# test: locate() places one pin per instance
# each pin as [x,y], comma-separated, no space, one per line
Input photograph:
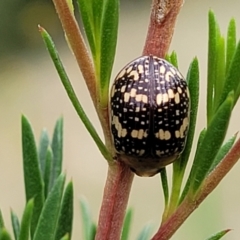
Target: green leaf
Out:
[179,166]
[47,171]
[57,150]
[223,152]
[193,84]
[1,220]
[146,232]
[66,237]
[89,228]
[164,180]
[220,73]
[174,59]
[72,95]
[232,82]
[219,235]
[127,224]
[194,166]
[86,13]
[213,35]
[231,43]
[212,142]
[100,20]
[5,235]
[43,147]
[26,221]
[109,31]
[32,176]
[50,213]
[15,225]
[66,214]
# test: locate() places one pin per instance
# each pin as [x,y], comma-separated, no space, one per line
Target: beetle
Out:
[149,114]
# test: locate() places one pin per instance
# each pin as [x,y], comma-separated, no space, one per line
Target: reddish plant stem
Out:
[214,178]
[168,228]
[77,44]
[162,21]
[115,198]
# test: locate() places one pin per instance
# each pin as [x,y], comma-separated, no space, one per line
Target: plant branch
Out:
[84,61]
[170,226]
[221,170]
[116,194]
[78,46]
[162,21]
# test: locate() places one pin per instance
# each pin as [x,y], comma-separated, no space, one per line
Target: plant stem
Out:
[78,46]
[221,170]
[170,226]
[84,61]
[162,21]
[115,198]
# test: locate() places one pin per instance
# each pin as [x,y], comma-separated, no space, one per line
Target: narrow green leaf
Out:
[232,82]
[88,225]
[66,237]
[32,176]
[194,166]
[86,13]
[49,216]
[15,225]
[212,62]
[5,235]
[72,95]
[231,43]
[223,152]
[164,180]
[26,221]
[66,214]
[97,10]
[43,146]
[1,220]
[174,59]
[127,224]
[193,85]
[179,166]
[146,232]
[219,235]
[212,142]
[57,150]
[167,58]
[220,72]
[47,171]
[109,31]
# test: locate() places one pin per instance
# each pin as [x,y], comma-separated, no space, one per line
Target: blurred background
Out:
[29,85]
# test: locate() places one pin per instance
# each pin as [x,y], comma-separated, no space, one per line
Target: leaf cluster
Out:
[49,205]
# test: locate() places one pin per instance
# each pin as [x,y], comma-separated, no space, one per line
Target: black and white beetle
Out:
[149,109]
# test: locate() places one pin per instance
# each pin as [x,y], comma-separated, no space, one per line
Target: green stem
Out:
[176,190]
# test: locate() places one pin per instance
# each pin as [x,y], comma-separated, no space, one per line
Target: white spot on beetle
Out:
[126,97]
[177,98]
[133,92]
[134,133]
[159,99]
[170,93]
[123,88]
[165,97]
